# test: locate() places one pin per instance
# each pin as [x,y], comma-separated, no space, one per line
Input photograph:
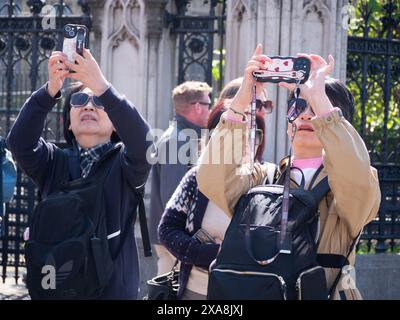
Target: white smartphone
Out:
[75,39]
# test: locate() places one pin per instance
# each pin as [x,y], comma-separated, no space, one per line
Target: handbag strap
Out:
[315,176]
[284,240]
[335,283]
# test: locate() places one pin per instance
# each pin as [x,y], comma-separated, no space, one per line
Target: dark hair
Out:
[339,95]
[231,88]
[215,116]
[228,92]
[68,134]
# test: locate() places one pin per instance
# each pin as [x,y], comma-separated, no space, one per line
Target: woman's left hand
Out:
[88,72]
[314,89]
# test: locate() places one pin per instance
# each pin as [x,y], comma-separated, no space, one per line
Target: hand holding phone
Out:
[285,69]
[75,39]
[57,70]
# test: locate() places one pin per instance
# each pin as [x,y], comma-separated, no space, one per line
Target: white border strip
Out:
[113,235]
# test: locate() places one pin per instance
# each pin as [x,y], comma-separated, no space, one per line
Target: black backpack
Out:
[67,254]
[250,265]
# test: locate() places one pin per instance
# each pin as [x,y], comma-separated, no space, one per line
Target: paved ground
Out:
[12,291]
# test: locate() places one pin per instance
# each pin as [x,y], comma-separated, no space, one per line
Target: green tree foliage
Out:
[377,90]
[218,67]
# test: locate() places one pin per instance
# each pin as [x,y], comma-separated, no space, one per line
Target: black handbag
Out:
[165,286]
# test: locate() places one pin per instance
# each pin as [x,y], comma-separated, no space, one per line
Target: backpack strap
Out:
[321,189]
[281,178]
[346,262]
[140,207]
[315,176]
[330,260]
[143,224]
[303,178]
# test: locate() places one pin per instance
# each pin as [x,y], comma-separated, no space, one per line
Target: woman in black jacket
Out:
[98,114]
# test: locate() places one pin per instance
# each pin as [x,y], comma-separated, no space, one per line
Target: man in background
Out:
[192,104]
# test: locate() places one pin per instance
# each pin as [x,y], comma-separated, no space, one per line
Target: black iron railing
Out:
[196,41]
[373,75]
[27,38]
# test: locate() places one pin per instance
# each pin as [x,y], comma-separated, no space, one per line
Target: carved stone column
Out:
[159,77]
[136,53]
[96,8]
[122,43]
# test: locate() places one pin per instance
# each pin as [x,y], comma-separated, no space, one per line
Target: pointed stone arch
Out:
[122,45]
[239,8]
[316,17]
[240,14]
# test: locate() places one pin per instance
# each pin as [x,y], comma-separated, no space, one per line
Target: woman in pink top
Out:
[323,135]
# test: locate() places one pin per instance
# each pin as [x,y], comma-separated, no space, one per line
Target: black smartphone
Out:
[285,69]
[76,38]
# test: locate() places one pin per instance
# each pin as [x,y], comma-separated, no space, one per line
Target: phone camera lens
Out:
[67,28]
[71,33]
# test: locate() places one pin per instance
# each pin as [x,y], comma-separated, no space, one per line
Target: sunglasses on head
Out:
[81,99]
[265,106]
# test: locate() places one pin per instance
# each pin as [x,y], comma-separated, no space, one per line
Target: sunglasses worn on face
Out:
[295,108]
[265,106]
[81,99]
[208,104]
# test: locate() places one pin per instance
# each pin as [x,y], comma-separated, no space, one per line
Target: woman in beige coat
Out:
[323,136]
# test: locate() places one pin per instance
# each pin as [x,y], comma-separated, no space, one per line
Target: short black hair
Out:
[68,134]
[231,88]
[339,95]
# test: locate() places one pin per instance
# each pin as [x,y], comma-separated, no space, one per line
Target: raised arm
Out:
[172,232]
[128,123]
[31,152]
[225,174]
[353,181]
